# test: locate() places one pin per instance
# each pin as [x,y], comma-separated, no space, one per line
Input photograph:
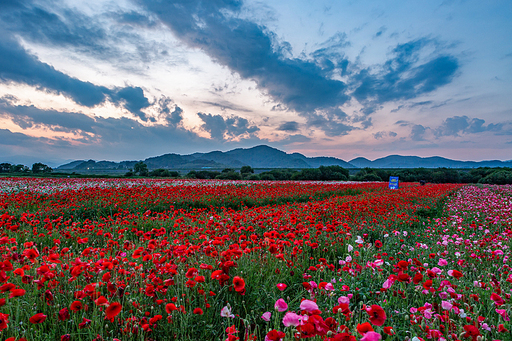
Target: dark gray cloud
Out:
[134,18]
[223,105]
[133,99]
[381,134]
[305,86]
[380,31]
[233,126]
[106,134]
[71,29]
[17,65]
[418,132]
[329,124]
[122,138]
[296,138]
[404,77]
[289,126]
[309,85]
[8,138]
[32,117]
[453,126]
[249,49]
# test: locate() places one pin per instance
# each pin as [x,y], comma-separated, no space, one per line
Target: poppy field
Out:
[138,259]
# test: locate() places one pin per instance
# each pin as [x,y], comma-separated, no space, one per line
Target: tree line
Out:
[484,175]
[37,168]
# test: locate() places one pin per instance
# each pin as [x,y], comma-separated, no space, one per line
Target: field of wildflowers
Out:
[224,260]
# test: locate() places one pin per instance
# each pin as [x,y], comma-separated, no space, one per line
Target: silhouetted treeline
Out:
[37,168]
[484,175]
[247,173]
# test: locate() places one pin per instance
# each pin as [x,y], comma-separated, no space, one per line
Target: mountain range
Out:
[267,157]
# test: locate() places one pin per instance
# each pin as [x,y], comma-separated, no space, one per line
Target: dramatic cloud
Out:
[455,125]
[249,50]
[232,127]
[297,138]
[289,126]
[8,138]
[418,132]
[117,133]
[403,77]
[381,134]
[16,65]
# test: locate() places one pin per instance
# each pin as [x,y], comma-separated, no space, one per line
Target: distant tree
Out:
[191,175]
[368,174]
[231,175]
[20,168]
[39,167]
[445,175]
[141,168]
[5,167]
[164,173]
[246,170]
[370,177]
[253,177]
[333,173]
[174,174]
[129,173]
[499,177]
[308,174]
[160,172]
[207,174]
[267,176]
[227,170]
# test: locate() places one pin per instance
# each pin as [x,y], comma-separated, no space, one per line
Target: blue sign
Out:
[393,182]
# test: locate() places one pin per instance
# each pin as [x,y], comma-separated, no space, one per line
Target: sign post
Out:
[393,182]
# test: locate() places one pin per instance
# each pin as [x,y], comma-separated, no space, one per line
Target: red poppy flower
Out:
[389,330]
[191,273]
[31,254]
[275,335]
[198,311]
[4,319]
[502,329]
[343,337]
[76,306]
[239,284]
[63,314]
[85,323]
[457,274]
[471,331]
[170,307]
[497,299]
[155,319]
[403,265]
[113,310]
[231,330]
[418,277]
[377,315]
[7,287]
[37,318]
[364,328]
[17,293]
[101,301]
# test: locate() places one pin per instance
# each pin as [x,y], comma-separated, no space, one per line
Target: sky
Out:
[132,79]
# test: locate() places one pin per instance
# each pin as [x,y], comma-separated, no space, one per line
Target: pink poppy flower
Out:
[308,306]
[281,305]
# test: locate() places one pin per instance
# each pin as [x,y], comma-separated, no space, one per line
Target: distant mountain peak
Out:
[264,156]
